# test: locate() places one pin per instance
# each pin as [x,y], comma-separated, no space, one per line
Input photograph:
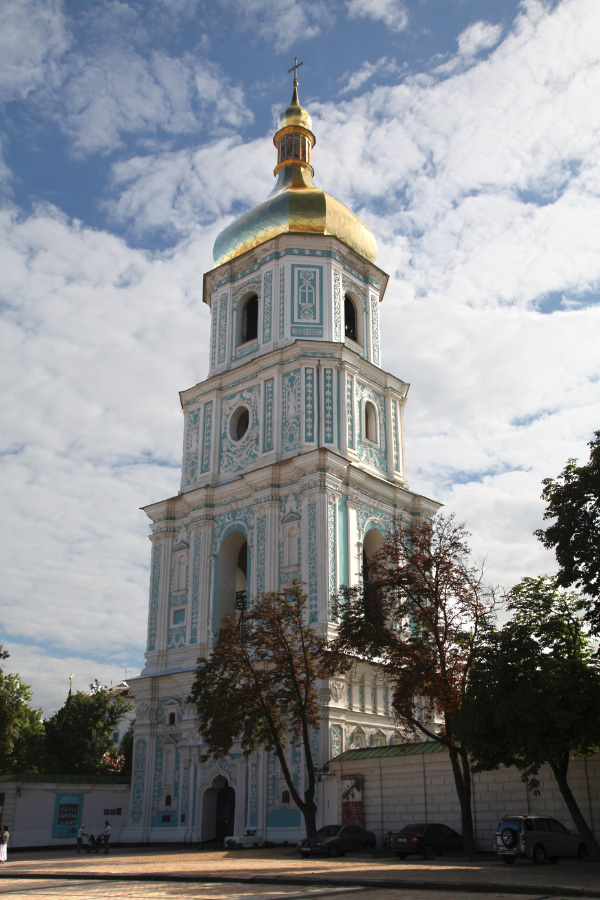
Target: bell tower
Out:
[293,468]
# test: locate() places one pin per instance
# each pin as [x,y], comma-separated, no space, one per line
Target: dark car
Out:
[429,840]
[537,838]
[335,840]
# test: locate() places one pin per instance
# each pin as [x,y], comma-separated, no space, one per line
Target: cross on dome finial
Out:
[294,69]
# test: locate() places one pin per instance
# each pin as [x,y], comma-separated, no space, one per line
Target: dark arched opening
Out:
[351,324]
[232,578]
[249,329]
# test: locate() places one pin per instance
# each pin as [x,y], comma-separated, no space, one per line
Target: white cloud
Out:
[177,191]
[392,13]
[97,339]
[355,80]
[477,37]
[33,38]
[119,92]
[283,23]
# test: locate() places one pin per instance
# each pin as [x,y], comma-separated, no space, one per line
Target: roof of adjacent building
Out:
[390,751]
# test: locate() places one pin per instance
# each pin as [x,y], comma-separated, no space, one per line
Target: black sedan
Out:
[428,840]
[335,840]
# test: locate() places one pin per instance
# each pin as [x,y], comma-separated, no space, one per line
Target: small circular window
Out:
[239,422]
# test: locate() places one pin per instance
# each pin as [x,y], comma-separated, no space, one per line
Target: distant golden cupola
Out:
[295,205]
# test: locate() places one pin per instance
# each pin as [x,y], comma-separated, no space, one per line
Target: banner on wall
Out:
[67,815]
[353,812]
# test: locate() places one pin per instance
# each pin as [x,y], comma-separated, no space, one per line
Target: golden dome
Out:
[295,205]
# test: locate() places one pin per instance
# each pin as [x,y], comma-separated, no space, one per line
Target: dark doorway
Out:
[225,813]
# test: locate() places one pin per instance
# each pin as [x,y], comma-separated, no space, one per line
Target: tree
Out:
[21,727]
[260,686]
[574,502]
[126,750]
[78,737]
[418,615]
[534,692]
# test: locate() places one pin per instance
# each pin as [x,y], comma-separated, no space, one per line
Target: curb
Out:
[373,883]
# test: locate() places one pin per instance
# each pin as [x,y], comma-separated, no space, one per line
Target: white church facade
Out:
[293,468]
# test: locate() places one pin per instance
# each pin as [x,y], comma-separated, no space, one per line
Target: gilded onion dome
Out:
[295,205]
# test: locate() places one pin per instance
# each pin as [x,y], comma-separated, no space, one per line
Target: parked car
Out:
[539,838]
[335,840]
[430,840]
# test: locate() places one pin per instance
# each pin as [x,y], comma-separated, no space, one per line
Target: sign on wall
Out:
[353,812]
[67,815]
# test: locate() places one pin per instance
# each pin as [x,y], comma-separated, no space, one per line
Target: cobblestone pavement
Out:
[281,873]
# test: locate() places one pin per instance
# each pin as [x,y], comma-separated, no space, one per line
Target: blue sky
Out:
[465,132]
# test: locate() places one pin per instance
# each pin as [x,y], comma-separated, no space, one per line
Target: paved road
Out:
[280,874]
[14,889]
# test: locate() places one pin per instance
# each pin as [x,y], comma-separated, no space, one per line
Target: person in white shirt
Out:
[106,836]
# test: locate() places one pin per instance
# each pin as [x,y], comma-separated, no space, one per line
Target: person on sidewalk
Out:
[3,843]
[80,836]
[106,835]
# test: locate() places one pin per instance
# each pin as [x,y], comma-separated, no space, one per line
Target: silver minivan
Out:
[538,838]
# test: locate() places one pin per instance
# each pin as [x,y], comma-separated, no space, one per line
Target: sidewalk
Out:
[570,878]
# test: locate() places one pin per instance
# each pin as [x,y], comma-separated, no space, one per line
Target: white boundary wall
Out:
[420,788]
[29,810]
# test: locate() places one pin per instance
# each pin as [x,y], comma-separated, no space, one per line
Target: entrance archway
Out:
[218,810]
[225,815]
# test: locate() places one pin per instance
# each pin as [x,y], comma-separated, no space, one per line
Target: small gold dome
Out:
[295,205]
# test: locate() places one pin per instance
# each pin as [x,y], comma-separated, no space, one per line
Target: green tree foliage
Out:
[126,750]
[78,737]
[574,503]
[260,686]
[534,692]
[21,728]
[418,615]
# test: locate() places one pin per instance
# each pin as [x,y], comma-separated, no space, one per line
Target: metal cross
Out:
[294,69]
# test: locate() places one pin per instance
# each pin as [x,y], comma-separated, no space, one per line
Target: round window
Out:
[239,422]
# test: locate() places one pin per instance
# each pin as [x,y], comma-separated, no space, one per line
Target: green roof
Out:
[39,778]
[394,750]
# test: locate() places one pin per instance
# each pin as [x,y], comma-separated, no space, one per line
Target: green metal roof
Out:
[37,778]
[394,750]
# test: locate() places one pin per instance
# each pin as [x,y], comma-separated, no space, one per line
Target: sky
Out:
[464,132]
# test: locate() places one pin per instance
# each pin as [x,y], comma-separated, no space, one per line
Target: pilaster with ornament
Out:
[332,553]
[354,551]
[155,566]
[272,511]
[267,316]
[390,408]
[329,405]
[310,559]
[375,354]
[309,405]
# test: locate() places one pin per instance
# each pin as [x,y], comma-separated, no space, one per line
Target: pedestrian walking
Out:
[3,843]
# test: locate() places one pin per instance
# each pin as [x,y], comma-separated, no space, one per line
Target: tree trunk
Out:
[461,770]
[560,773]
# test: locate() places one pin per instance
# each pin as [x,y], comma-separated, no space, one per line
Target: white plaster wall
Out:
[401,790]
[32,814]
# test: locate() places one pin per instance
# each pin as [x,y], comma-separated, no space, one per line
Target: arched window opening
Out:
[285,798]
[171,718]
[372,544]
[168,800]
[371,422]
[249,329]
[350,320]
[232,578]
